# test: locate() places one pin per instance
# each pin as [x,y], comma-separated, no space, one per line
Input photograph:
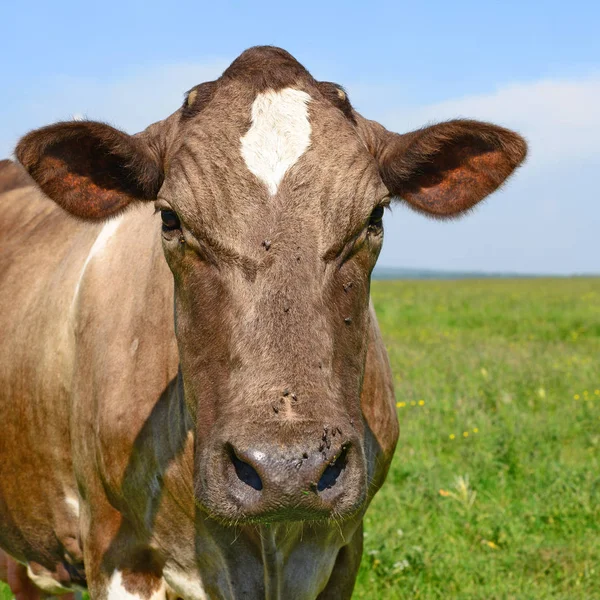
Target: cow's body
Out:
[213,425]
[86,399]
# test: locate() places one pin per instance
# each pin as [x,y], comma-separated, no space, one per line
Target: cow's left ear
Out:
[445,169]
[91,169]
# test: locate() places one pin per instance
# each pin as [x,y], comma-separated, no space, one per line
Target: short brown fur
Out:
[207,409]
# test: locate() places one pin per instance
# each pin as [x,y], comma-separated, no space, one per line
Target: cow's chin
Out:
[238,487]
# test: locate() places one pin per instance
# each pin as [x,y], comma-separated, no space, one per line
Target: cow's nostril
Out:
[245,472]
[333,471]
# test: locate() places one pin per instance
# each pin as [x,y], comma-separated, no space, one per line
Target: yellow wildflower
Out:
[465,434]
[421,402]
[475,430]
[576,397]
[400,404]
[451,436]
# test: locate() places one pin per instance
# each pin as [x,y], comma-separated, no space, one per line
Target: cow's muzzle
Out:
[269,481]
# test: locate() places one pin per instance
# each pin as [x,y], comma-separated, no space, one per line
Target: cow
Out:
[196,400]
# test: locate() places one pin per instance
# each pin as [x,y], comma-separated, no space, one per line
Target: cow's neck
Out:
[276,561]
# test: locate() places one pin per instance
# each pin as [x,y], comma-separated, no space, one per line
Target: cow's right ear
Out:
[91,169]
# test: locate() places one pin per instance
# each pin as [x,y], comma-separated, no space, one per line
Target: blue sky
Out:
[533,66]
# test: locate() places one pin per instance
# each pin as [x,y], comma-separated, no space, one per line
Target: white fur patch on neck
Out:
[116,590]
[279,134]
[108,230]
[73,504]
[46,581]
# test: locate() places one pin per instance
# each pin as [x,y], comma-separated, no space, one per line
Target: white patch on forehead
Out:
[108,230]
[116,590]
[279,134]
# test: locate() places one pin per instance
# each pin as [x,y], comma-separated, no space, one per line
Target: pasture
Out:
[495,488]
[494,492]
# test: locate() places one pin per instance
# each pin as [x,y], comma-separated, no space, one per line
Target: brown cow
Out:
[212,425]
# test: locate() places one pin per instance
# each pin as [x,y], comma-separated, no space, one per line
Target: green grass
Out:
[498,382]
[515,364]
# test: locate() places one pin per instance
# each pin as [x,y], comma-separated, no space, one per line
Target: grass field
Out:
[495,487]
[494,492]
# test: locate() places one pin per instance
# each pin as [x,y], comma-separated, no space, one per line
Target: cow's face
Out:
[271,191]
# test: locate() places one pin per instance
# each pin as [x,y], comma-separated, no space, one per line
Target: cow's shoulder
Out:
[13,176]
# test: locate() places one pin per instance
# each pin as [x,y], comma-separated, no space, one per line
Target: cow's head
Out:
[272,191]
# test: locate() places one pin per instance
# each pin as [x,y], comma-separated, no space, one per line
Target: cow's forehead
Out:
[249,151]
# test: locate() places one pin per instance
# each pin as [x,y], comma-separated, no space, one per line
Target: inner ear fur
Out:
[91,169]
[445,169]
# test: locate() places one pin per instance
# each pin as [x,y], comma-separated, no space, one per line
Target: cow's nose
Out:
[278,482]
[254,466]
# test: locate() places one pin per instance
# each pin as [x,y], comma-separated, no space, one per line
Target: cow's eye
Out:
[170,220]
[376,219]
